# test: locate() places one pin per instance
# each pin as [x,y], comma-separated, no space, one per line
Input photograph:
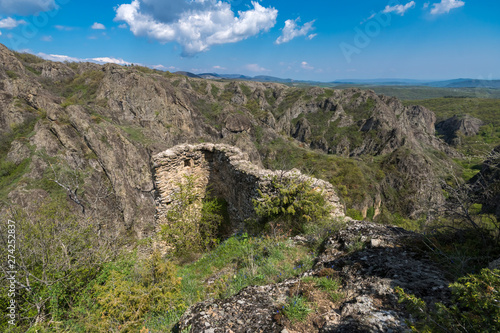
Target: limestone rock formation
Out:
[452,128]
[369,272]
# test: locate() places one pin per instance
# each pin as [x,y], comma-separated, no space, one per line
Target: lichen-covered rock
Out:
[369,259]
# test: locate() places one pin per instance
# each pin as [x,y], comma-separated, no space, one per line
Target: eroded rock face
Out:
[229,175]
[369,259]
[453,127]
[486,183]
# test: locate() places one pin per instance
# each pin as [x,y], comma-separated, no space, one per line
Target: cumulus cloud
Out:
[98,26]
[46,38]
[10,23]
[292,30]
[445,6]
[26,7]
[399,9]
[256,68]
[196,25]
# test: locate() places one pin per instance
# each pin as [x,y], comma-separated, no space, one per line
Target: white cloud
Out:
[311,36]
[46,38]
[369,18]
[292,30]
[426,5]
[445,6]
[161,67]
[105,60]
[26,7]
[10,23]
[99,60]
[196,25]
[58,57]
[399,9]
[98,26]
[219,67]
[256,68]
[123,26]
[305,65]
[63,28]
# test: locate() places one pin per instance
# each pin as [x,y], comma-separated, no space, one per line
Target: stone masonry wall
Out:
[227,172]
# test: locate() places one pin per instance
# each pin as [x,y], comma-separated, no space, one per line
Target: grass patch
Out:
[211,112]
[11,174]
[241,261]
[297,309]
[136,134]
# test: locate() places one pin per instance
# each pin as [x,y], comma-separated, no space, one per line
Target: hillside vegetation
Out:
[77,178]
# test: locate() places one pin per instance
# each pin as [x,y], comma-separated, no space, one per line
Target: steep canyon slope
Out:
[90,131]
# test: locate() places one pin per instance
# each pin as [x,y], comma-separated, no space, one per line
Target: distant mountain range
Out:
[456,83]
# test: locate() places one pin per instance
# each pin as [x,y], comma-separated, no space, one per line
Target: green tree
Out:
[56,256]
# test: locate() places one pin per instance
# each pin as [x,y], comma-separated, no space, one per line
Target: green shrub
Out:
[290,204]
[474,306]
[355,214]
[124,300]
[60,255]
[12,74]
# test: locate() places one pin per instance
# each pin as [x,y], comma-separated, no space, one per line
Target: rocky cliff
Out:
[102,125]
[486,184]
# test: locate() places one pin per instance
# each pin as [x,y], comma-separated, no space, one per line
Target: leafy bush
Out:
[355,214]
[57,257]
[474,307]
[290,205]
[124,300]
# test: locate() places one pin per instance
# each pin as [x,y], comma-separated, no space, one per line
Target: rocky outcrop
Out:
[486,184]
[453,128]
[369,259]
[411,185]
[228,173]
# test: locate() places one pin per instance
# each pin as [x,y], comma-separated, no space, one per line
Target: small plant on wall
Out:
[192,221]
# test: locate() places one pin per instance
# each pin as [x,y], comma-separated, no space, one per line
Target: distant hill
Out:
[456,83]
[384,82]
[466,83]
[188,74]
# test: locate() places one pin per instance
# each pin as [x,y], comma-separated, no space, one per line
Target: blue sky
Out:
[321,40]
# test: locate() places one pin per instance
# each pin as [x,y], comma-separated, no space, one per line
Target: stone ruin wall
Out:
[227,172]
